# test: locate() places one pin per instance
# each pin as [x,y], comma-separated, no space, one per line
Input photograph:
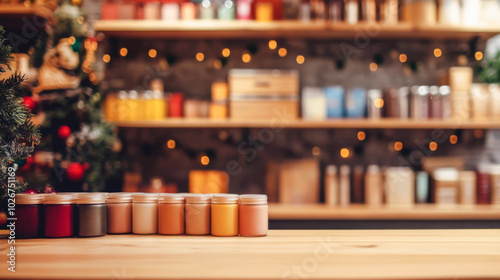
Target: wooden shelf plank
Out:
[283,254]
[339,123]
[363,212]
[286,28]
[11,11]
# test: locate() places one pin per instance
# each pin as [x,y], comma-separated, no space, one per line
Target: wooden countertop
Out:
[290,254]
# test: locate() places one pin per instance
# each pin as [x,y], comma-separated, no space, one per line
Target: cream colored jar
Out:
[145,213]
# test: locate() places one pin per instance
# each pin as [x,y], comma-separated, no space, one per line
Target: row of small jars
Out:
[95,214]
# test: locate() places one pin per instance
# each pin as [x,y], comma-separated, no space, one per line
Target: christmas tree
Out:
[18,134]
[78,151]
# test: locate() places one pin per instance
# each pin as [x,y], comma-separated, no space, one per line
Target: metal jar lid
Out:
[59,199]
[26,198]
[198,198]
[225,198]
[145,197]
[119,197]
[171,198]
[253,199]
[90,198]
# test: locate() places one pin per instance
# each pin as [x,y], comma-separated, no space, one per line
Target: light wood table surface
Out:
[284,254]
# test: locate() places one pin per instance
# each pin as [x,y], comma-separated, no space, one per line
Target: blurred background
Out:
[347,114]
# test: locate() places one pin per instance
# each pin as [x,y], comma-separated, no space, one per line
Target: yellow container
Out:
[264,11]
[159,105]
[225,214]
[132,107]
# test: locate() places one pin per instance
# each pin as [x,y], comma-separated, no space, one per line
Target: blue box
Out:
[334,102]
[356,103]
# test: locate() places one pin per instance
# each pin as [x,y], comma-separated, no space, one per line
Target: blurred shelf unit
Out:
[209,29]
[9,13]
[363,212]
[337,123]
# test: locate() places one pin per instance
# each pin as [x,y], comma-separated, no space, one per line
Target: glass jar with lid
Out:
[224,214]
[58,217]
[91,214]
[198,214]
[145,213]
[119,212]
[171,214]
[253,215]
[29,210]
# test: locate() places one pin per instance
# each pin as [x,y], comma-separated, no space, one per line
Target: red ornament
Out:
[30,191]
[49,189]
[29,103]
[75,172]
[64,132]
[26,167]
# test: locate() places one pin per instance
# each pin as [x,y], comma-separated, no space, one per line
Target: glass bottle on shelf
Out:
[449,12]
[207,10]
[188,11]
[369,11]
[152,10]
[170,12]
[351,11]
[226,10]
[109,10]
[318,9]
[264,11]
[244,9]
[304,11]
[126,10]
[389,11]
[335,11]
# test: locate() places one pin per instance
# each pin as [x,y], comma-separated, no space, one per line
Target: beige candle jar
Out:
[224,215]
[145,213]
[198,214]
[171,214]
[119,210]
[253,215]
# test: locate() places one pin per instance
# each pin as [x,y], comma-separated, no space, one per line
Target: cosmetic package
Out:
[355,103]
[313,104]
[467,187]
[421,187]
[399,186]
[374,186]
[331,186]
[375,103]
[422,12]
[450,12]
[345,185]
[446,183]
[334,102]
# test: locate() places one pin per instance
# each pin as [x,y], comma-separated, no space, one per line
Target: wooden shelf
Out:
[286,28]
[10,12]
[339,123]
[363,212]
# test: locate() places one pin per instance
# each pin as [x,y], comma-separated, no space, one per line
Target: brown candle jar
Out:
[253,215]
[145,213]
[198,214]
[171,214]
[91,214]
[119,211]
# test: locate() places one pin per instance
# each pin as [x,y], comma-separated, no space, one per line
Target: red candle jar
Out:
[483,186]
[59,215]
[176,104]
[29,212]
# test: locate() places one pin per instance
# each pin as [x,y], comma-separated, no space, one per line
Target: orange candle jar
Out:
[171,214]
[198,214]
[145,213]
[224,214]
[253,215]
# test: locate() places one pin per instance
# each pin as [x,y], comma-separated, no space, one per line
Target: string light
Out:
[300,59]
[171,144]
[398,146]
[344,153]
[361,135]
[433,146]
[478,56]
[453,139]
[80,20]
[72,40]
[272,44]
[123,52]
[205,160]
[379,103]
[403,58]
[106,58]
[373,66]
[200,57]
[282,52]
[152,53]
[316,151]
[226,52]
[438,52]
[246,58]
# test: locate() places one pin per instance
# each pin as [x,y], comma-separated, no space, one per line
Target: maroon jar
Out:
[59,215]
[29,214]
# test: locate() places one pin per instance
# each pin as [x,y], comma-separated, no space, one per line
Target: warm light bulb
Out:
[72,40]
[152,53]
[300,59]
[226,52]
[403,58]
[282,52]
[379,103]
[398,146]
[453,139]
[433,146]
[171,144]
[205,160]
[344,153]
[373,66]
[438,52]
[106,58]
[478,56]
[361,136]
[200,57]
[273,44]
[123,51]
[246,58]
